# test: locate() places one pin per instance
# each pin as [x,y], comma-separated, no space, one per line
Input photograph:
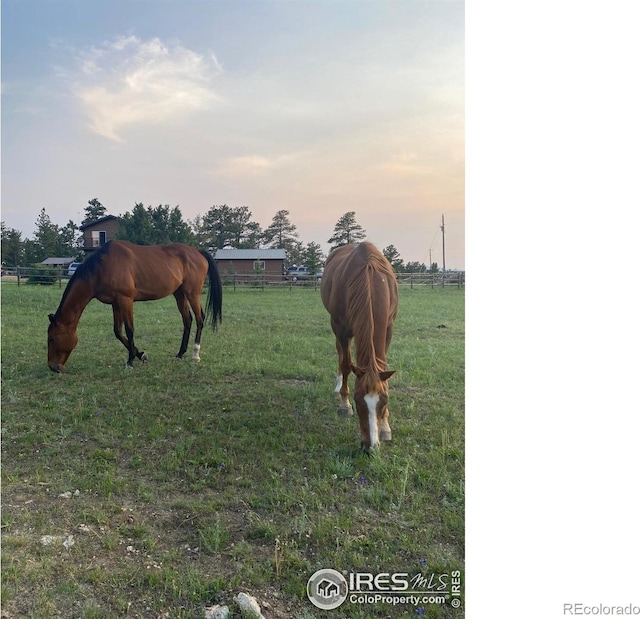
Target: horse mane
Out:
[84,271]
[360,309]
[88,267]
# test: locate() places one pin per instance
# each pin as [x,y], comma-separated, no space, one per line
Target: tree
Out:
[93,211]
[415,267]
[281,234]
[252,236]
[68,238]
[245,234]
[168,225]
[12,249]
[295,254]
[32,253]
[51,240]
[346,231]
[136,226]
[46,237]
[155,226]
[224,226]
[393,256]
[198,234]
[313,258]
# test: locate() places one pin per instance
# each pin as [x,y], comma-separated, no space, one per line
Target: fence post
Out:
[18,274]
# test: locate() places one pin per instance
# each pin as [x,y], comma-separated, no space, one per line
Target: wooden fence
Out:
[59,277]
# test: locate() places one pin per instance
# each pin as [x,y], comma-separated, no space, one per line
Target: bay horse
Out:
[360,292]
[120,273]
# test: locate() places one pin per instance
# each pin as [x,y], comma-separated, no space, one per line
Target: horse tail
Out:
[214,298]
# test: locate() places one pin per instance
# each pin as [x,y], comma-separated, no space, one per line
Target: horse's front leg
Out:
[124,315]
[343,346]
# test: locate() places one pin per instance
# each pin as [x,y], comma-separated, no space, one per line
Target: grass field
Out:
[174,486]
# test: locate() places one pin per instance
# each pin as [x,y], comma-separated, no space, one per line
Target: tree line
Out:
[221,227]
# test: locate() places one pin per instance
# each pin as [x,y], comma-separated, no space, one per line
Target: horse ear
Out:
[357,371]
[387,375]
[52,319]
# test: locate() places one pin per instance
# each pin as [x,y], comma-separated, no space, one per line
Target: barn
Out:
[251,261]
[58,262]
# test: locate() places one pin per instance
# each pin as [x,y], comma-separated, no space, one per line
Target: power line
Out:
[433,239]
[444,269]
[442,230]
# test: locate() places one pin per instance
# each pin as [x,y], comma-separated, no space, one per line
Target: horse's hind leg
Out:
[196,306]
[187,319]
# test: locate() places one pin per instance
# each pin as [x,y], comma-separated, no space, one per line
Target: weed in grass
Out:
[259,529]
[213,537]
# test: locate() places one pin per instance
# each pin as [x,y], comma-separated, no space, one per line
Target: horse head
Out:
[371,395]
[61,340]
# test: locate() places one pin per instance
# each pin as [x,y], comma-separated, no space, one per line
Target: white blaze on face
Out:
[372,400]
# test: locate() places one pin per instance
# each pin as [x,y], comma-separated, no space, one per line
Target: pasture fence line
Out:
[449,279]
[35,275]
[59,277]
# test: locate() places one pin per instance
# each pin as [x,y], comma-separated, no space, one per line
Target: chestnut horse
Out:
[120,273]
[360,292]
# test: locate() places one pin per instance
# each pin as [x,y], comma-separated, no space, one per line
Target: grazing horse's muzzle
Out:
[55,368]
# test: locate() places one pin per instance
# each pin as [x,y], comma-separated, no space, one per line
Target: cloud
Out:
[129,82]
[251,165]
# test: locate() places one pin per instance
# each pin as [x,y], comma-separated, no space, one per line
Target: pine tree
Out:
[393,256]
[346,231]
[281,234]
[93,211]
[313,258]
[46,237]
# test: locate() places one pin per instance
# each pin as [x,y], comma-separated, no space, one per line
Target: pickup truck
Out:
[296,273]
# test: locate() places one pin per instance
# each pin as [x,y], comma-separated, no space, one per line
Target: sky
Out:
[315,107]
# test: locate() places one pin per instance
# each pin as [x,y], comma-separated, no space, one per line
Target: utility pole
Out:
[443,254]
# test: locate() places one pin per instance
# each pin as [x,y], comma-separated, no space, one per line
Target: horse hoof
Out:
[177,358]
[370,451]
[144,358]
